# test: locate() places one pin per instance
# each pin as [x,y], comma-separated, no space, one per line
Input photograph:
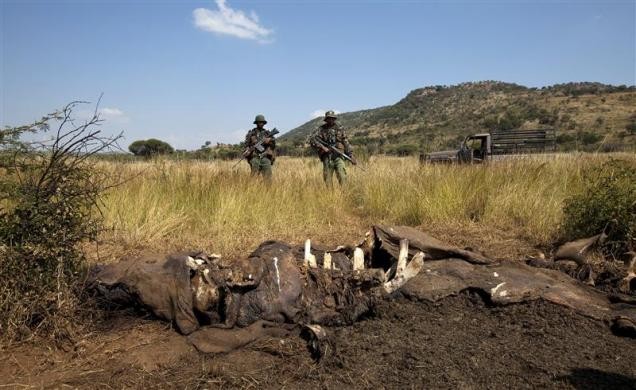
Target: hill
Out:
[587,115]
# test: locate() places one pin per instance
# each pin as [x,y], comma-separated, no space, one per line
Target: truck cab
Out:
[475,148]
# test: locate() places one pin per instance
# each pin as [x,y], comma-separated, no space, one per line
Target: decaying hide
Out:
[161,285]
[224,304]
[382,247]
[507,283]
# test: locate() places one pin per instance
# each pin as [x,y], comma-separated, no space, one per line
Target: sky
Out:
[188,72]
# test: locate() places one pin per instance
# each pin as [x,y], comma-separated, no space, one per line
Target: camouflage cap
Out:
[260,118]
[330,114]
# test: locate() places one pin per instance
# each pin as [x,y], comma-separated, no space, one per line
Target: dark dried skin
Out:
[336,298]
[160,285]
[280,292]
[272,287]
[385,244]
[275,293]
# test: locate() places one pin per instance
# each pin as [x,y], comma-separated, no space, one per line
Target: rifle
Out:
[258,147]
[333,149]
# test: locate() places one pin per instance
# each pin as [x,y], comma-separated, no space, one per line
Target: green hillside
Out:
[587,116]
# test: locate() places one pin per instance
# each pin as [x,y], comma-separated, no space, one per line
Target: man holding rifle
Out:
[260,148]
[333,148]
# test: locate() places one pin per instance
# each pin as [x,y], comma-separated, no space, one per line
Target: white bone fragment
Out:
[191,263]
[312,261]
[407,273]
[277,273]
[497,287]
[326,262]
[358,259]
[307,252]
[402,256]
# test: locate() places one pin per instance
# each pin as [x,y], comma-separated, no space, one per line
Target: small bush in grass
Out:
[49,201]
[608,194]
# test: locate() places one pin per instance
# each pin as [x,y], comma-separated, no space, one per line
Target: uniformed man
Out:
[330,140]
[260,162]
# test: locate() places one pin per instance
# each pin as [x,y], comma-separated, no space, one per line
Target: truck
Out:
[483,147]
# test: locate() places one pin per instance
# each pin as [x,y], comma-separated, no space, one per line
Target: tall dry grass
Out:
[207,205]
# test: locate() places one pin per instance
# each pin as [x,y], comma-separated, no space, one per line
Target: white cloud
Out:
[113,115]
[226,20]
[320,113]
[108,112]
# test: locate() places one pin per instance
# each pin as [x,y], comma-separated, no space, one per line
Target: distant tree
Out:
[510,120]
[403,149]
[565,138]
[589,137]
[150,147]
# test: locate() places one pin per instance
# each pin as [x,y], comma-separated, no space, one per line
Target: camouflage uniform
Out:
[331,162]
[260,163]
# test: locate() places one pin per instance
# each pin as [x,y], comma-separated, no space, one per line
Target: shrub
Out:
[150,147]
[608,195]
[49,193]
[589,137]
[403,149]
[565,138]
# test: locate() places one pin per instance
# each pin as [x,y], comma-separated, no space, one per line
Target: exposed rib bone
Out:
[307,249]
[310,259]
[401,263]
[326,262]
[402,256]
[193,263]
[401,277]
[358,259]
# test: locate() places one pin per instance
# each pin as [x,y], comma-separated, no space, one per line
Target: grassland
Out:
[170,205]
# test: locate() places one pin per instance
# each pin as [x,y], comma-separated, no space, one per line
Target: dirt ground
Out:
[459,342]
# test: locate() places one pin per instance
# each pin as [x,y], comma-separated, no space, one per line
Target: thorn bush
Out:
[608,195]
[49,205]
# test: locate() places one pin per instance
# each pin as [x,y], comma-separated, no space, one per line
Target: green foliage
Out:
[48,200]
[512,119]
[403,149]
[589,137]
[565,138]
[608,194]
[150,147]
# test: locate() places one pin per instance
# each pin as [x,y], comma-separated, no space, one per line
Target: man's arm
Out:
[316,145]
[249,142]
[347,146]
[269,140]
